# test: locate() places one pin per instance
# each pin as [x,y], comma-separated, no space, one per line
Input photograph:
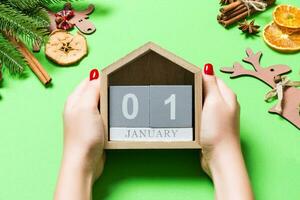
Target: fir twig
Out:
[10,57]
[40,16]
[30,4]
[19,25]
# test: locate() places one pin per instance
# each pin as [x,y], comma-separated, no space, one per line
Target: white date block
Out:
[151,134]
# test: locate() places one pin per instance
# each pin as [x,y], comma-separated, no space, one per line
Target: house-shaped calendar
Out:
[151,99]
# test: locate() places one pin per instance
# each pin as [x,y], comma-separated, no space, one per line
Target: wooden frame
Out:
[182,72]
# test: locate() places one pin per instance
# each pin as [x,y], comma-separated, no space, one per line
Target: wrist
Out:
[216,156]
[228,171]
[223,156]
[75,181]
[77,162]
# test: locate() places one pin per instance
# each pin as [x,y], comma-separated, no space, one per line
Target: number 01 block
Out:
[129,106]
[171,106]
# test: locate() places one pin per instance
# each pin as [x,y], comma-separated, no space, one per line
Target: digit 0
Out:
[135,106]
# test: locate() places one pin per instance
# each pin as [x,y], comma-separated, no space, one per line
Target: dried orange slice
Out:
[281,39]
[287,16]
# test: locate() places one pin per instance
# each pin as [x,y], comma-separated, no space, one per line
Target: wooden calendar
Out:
[151,99]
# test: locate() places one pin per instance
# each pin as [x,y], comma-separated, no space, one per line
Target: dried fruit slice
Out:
[64,48]
[287,16]
[280,39]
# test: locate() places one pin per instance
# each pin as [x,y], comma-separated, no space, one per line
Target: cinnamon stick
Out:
[235,10]
[34,64]
[237,13]
[235,19]
[230,6]
[226,17]
[231,13]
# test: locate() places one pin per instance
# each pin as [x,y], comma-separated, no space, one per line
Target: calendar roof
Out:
[146,48]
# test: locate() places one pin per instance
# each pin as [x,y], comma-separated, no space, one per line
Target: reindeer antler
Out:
[264,74]
[87,11]
[253,59]
[238,70]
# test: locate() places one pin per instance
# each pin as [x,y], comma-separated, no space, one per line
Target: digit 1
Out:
[172,101]
[135,106]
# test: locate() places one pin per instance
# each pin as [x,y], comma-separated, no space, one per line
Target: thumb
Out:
[93,88]
[210,85]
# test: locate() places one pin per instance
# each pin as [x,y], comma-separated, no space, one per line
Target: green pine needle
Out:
[10,57]
[40,16]
[30,4]
[22,26]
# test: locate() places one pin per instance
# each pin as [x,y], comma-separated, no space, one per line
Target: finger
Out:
[227,94]
[92,91]
[210,85]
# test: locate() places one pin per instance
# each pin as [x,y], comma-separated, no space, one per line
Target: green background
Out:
[31,115]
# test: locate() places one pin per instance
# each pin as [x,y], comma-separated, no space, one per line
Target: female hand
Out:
[220,116]
[222,157]
[83,155]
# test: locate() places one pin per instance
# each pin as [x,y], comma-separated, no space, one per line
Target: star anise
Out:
[250,28]
[225,2]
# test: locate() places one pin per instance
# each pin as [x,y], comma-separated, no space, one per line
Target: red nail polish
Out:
[94,74]
[209,69]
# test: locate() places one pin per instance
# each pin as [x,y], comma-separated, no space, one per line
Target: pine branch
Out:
[10,57]
[24,5]
[47,3]
[30,4]
[40,16]
[19,25]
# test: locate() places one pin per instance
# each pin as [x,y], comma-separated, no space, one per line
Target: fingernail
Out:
[208,69]
[94,74]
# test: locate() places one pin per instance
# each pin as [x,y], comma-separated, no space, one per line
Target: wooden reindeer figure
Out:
[77,18]
[289,104]
[69,18]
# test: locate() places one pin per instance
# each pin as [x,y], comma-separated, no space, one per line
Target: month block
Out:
[171,106]
[129,106]
[151,134]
